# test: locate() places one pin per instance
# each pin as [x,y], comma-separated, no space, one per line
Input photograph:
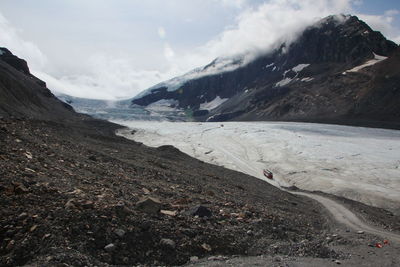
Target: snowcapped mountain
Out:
[338,70]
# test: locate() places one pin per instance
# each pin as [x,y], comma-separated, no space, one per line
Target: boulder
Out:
[149,205]
[200,211]
[165,242]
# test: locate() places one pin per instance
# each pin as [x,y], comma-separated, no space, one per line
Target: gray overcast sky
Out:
[115,49]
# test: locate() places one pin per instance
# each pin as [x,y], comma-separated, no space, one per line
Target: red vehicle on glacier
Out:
[268,174]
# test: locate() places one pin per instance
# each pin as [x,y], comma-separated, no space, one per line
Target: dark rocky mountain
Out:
[338,70]
[24,95]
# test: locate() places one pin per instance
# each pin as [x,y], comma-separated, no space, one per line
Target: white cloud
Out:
[168,52]
[234,3]
[258,29]
[162,33]
[109,78]
[9,38]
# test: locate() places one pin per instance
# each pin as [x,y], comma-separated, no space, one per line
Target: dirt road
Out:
[348,218]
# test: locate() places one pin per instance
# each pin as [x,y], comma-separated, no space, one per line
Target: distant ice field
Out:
[358,163]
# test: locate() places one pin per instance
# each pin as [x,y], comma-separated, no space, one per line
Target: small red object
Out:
[268,174]
[378,245]
[386,242]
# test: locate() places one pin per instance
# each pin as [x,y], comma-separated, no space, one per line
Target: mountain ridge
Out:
[264,89]
[24,95]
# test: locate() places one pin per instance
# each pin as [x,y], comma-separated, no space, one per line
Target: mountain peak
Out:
[290,82]
[339,38]
[16,62]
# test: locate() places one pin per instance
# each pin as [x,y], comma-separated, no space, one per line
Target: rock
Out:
[360,232]
[110,247]
[145,191]
[194,259]
[70,204]
[23,216]
[46,236]
[10,245]
[200,211]
[33,228]
[87,204]
[169,212]
[206,247]
[338,262]
[20,189]
[165,242]
[217,258]
[149,205]
[120,233]
[122,210]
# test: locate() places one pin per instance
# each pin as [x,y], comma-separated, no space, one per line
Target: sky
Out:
[115,49]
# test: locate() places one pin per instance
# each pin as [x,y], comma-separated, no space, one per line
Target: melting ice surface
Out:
[358,163]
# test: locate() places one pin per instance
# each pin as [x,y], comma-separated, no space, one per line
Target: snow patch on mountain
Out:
[218,66]
[213,104]
[286,80]
[163,105]
[269,65]
[283,82]
[376,59]
[307,79]
[300,67]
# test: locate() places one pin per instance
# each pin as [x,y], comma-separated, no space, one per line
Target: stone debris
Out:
[28,155]
[200,211]
[169,212]
[149,205]
[217,258]
[206,247]
[168,243]
[194,259]
[110,247]
[120,233]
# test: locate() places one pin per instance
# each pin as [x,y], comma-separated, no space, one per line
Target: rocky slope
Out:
[24,95]
[338,70]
